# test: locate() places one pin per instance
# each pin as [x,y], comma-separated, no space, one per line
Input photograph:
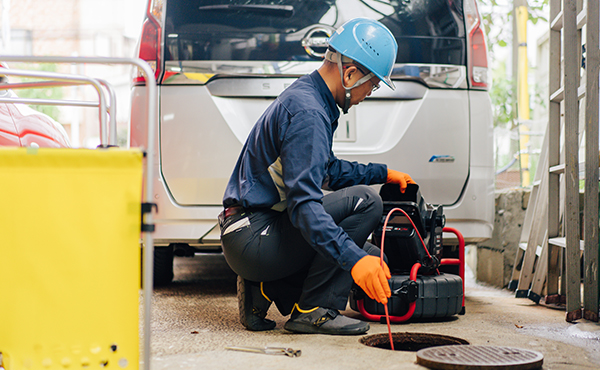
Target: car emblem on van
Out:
[442,159]
[317,37]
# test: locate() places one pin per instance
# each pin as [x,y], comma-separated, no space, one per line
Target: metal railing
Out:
[59,79]
[111,108]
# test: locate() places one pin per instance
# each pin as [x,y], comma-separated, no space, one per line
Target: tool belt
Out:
[228,212]
[232,219]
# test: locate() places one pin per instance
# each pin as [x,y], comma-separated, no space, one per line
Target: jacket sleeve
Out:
[305,155]
[343,173]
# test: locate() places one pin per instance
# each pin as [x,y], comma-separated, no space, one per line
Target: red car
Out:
[21,125]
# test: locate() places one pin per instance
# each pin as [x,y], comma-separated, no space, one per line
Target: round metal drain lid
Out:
[479,357]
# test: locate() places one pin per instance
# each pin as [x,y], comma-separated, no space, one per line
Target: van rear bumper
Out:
[197,225]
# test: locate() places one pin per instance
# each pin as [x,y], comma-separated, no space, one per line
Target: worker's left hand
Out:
[400,178]
[371,274]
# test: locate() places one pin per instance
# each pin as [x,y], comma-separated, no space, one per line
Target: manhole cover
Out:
[479,357]
[410,341]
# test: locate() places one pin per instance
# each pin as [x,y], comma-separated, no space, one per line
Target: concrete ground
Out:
[196,317]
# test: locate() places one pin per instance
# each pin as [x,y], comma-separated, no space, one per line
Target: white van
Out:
[220,63]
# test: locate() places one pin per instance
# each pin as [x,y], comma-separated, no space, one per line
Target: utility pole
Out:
[520,85]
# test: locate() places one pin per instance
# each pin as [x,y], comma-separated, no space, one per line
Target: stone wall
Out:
[494,259]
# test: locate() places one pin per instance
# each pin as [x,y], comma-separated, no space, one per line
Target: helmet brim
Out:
[388,82]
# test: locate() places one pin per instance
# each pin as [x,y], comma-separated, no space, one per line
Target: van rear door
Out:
[225,62]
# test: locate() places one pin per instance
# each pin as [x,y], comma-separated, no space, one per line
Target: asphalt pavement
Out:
[196,317]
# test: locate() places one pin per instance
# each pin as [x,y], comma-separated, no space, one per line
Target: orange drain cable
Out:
[387,315]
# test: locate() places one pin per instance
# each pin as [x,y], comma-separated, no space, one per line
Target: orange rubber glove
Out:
[396,177]
[373,279]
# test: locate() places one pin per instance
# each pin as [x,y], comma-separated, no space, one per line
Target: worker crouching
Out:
[288,242]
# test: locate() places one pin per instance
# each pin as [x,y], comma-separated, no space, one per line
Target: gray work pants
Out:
[271,250]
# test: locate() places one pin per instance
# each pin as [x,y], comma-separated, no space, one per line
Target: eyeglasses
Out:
[375,86]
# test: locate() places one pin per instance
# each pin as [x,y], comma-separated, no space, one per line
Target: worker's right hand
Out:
[400,178]
[372,278]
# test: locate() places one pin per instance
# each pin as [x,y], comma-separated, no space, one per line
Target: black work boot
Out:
[324,321]
[253,305]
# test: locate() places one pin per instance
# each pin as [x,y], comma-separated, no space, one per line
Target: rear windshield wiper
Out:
[284,11]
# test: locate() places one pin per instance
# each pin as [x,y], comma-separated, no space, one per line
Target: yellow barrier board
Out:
[70,258]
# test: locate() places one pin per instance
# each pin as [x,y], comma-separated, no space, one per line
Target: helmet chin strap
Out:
[337,58]
[347,98]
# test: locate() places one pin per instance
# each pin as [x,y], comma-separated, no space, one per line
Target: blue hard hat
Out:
[369,43]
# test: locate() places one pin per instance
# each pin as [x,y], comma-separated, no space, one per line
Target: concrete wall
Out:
[493,260]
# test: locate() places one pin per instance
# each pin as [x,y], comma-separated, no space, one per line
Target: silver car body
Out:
[434,127]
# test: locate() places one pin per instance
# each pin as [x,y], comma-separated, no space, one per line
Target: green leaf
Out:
[502,43]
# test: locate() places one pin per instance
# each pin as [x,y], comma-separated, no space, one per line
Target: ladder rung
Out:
[581,92]
[562,242]
[536,183]
[558,95]
[559,242]
[557,22]
[581,19]
[560,168]
[538,249]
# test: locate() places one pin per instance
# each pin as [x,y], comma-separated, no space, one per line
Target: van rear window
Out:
[427,31]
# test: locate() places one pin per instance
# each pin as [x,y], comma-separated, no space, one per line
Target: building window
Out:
[21,42]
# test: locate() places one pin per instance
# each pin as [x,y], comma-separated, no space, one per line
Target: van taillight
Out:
[478,63]
[477,51]
[150,41]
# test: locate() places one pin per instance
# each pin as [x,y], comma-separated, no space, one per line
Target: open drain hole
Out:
[410,341]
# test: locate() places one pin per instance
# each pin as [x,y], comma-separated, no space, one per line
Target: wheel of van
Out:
[163,265]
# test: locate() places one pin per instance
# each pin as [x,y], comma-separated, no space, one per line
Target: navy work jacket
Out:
[287,160]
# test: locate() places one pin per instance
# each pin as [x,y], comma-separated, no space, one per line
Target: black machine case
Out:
[434,294]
